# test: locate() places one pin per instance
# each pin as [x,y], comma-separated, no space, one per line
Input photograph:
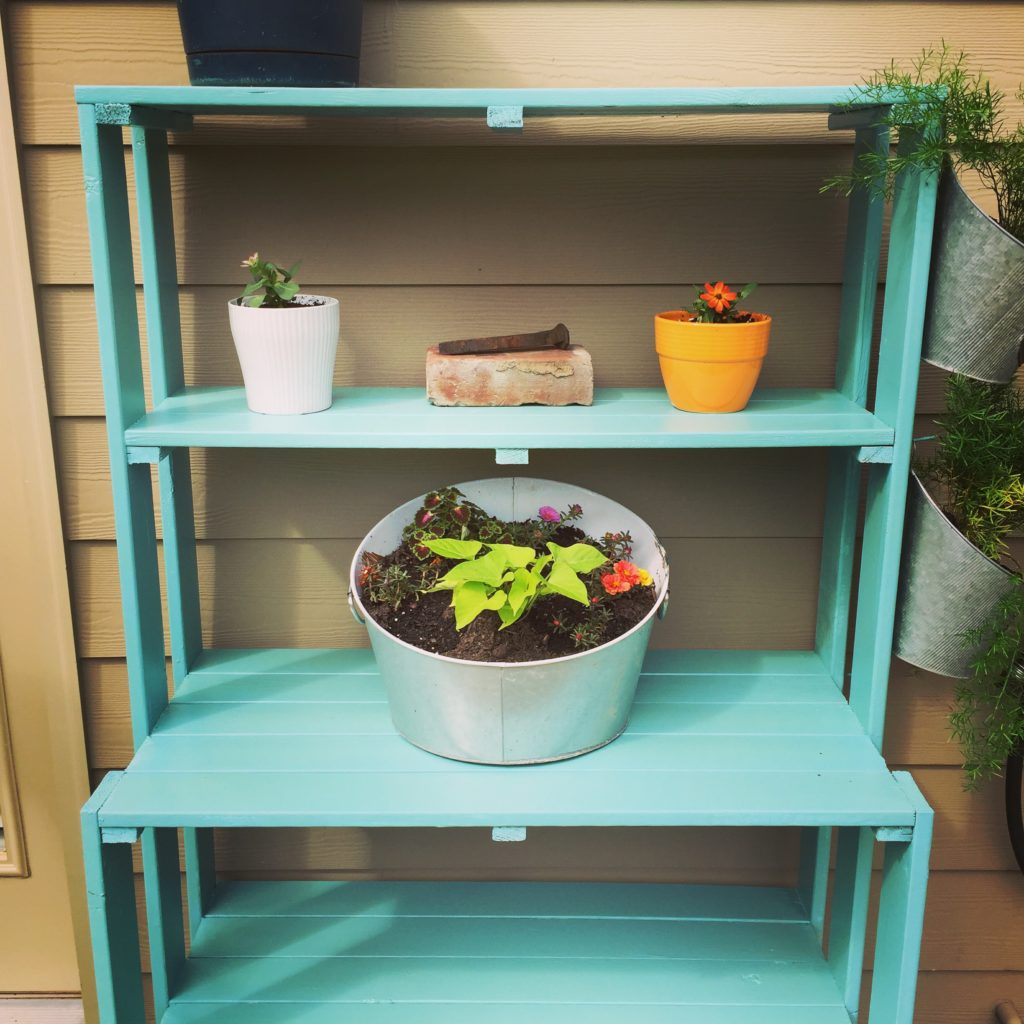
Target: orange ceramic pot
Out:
[710,367]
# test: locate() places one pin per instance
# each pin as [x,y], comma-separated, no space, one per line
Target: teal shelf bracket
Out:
[894,834]
[119,835]
[876,455]
[505,118]
[140,454]
[129,115]
[862,117]
[508,834]
[512,456]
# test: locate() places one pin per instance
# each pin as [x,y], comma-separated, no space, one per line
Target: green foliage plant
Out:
[987,719]
[271,287]
[390,585]
[945,114]
[978,465]
[509,578]
[979,468]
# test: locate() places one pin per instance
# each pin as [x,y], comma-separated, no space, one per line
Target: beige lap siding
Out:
[513,235]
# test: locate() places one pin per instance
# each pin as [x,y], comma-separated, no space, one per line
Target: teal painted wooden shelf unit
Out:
[262,738]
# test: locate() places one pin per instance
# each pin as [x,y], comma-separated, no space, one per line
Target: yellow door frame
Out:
[43,918]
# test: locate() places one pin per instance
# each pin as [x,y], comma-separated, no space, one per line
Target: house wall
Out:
[475,233]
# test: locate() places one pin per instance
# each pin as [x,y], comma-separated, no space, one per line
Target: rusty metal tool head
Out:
[556,337]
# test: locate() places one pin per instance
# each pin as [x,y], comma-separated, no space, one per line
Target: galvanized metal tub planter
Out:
[975,317]
[525,712]
[947,588]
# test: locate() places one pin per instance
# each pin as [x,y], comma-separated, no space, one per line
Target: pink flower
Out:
[549,514]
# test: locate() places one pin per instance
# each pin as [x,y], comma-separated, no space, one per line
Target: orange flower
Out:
[629,572]
[719,297]
[613,583]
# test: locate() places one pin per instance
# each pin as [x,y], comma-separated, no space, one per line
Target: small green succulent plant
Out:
[277,285]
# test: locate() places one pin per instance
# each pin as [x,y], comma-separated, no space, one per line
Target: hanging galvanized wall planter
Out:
[522,712]
[975,319]
[947,588]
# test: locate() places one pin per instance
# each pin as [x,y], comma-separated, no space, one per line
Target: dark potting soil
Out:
[429,624]
[303,303]
[429,621]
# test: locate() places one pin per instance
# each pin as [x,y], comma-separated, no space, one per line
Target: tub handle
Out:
[354,610]
[663,607]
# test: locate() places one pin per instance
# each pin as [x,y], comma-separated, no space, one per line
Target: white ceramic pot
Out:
[287,355]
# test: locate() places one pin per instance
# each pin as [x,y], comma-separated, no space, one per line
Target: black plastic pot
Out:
[269,43]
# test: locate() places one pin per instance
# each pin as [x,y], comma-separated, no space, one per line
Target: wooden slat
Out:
[470,44]
[448,1013]
[565,216]
[970,922]
[970,827]
[292,593]
[918,730]
[712,855]
[397,418]
[634,968]
[489,901]
[965,997]
[963,926]
[716,728]
[174,106]
[55,1010]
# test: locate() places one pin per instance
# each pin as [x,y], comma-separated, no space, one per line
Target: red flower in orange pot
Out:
[718,296]
[711,355]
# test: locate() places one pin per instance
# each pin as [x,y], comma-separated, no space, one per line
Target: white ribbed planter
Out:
[287,355]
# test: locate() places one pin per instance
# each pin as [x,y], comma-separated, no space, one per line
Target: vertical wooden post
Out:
[848,927]
[167,377]
[165,919]
[839,536]
[856,326]
[906,292]
[201,873]
[812,883]
[901,917]
[110,884]
[106,197]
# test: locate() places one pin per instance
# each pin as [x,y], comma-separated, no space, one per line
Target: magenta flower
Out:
[549,514]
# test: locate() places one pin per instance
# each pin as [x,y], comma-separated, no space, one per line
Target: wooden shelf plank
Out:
[217,417]
[418,951]
[470,102]
[304,737]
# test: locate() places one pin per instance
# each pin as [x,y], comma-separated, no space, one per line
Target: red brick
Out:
[546,377]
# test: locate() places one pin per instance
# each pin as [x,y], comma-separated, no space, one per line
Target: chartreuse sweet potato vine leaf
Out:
[455,548]
[578,557]
[509,578]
